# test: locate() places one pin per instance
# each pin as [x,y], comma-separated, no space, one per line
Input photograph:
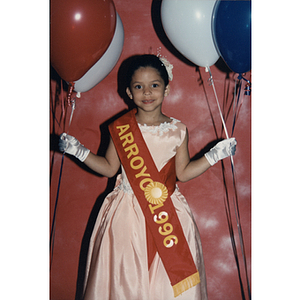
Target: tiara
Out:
[168,67]
[167,64]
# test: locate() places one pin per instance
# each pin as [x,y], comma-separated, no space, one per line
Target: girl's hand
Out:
[223,149]
[71,145]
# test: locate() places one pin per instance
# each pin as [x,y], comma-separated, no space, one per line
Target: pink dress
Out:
[117,265]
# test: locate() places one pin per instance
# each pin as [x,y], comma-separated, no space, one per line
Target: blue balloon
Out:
[231,28]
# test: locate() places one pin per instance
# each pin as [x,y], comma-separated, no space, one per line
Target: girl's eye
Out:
[138,87]
[154,85]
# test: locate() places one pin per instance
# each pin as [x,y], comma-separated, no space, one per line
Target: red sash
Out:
[153,190]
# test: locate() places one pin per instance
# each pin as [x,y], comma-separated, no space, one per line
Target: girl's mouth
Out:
[148,101]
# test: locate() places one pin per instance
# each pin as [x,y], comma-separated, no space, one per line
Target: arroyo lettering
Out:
[136,162]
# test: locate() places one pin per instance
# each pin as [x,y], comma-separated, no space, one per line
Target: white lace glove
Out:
[71,145]
[223,149]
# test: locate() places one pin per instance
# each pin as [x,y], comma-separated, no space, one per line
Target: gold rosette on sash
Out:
[156,193]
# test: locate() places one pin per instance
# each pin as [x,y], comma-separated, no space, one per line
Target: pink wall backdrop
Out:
[193,102]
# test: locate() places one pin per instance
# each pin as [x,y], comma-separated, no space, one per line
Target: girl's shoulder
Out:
[177,123]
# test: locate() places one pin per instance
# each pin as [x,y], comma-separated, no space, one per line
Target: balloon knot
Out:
[70,90]
[247,86]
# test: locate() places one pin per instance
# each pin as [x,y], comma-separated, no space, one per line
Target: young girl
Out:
[145,244]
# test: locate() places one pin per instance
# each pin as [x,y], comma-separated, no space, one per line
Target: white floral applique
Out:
[125,187]
[162,128]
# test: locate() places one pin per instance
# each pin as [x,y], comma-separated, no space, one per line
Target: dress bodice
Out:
[162,141]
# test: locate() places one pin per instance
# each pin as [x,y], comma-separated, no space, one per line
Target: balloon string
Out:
[53,226]
[73,104]
[216,97]
[234,96]
[52,235]
[236,100]
[231,232]
[237,214]
[234,185]
[238,110]
[238,221]
[62,101]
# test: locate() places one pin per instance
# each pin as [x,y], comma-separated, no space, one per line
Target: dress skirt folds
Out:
[117,262]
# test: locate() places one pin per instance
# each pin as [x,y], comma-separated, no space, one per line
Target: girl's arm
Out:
[106,166]
[187,169]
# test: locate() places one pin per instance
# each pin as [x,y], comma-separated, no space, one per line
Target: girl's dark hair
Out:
[147,60]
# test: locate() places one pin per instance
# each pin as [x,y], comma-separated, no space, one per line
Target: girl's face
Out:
[147,89]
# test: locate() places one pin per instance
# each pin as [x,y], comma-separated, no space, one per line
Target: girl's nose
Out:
[147,91]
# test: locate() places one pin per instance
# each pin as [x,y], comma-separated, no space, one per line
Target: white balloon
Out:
[188,25]
[105,64]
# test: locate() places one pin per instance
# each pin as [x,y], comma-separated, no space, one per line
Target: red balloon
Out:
[80,33]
